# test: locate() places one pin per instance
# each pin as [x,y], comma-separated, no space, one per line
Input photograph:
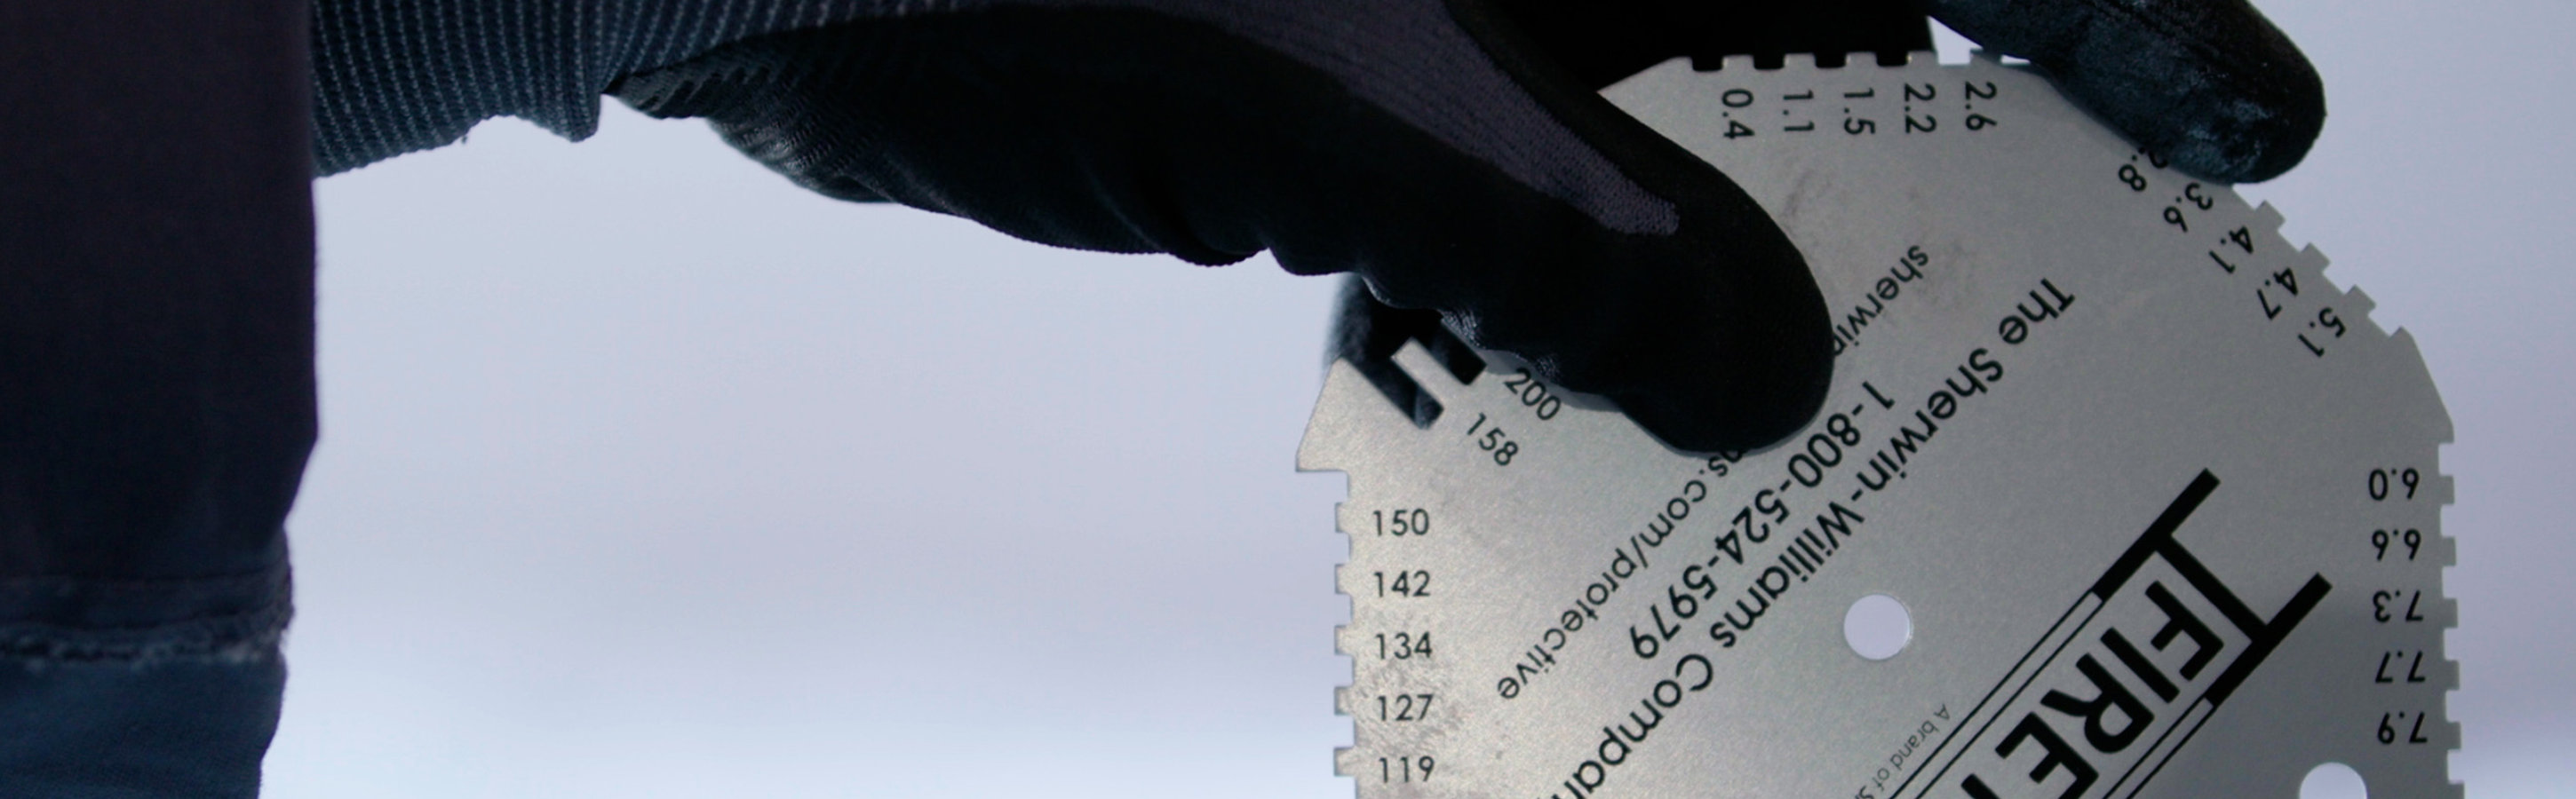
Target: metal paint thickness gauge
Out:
[2115,495]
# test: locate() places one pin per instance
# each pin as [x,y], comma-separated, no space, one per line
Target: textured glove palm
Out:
[1453,154]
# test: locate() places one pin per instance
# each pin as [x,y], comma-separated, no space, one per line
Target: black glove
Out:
[1455,156]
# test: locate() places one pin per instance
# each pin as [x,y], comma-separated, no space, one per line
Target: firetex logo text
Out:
[2121,682]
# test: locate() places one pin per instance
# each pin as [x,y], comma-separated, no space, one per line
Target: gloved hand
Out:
[1454,155]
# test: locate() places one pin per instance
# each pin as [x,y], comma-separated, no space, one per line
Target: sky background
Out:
[646,474]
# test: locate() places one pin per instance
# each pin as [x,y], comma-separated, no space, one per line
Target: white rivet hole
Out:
[2333,781]
[1877,627]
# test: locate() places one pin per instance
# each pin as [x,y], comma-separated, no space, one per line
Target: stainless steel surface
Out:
[2161,501]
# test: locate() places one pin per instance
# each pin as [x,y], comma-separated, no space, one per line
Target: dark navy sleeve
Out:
[156,388]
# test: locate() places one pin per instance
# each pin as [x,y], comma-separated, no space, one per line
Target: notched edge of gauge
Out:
[1329,442]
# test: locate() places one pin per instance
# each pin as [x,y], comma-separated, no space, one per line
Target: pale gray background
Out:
[645,474]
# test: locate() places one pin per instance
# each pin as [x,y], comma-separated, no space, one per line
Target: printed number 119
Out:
[1404,769]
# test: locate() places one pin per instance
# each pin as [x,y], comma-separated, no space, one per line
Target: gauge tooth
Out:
[2267,218]
[1416,361]
[2357,305]
[1735,64]
[2311,260]
[2437,488]
[2446,552]
[1798,61]
[2314,259]
[1341,632]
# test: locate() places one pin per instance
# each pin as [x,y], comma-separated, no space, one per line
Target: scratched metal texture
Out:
[2003,533]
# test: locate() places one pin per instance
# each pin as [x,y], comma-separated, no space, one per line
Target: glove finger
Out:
[2209,84]
[1367,333]
[1140,132]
